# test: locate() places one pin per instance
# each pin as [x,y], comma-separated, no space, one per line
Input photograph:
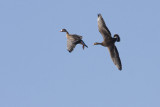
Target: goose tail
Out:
[84,45]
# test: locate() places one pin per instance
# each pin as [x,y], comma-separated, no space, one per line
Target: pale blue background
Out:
[36,70]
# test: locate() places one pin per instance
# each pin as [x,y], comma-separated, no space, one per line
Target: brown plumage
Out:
[109,42]
[73,40]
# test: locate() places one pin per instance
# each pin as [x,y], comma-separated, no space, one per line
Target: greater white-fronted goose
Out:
[109,41]
[73,40]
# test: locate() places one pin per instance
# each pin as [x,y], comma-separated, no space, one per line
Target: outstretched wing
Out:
[115,56]
[72,41]
[103,28]
[70,44]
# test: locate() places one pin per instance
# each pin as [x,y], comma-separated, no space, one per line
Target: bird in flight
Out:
[109,41]
[73,40]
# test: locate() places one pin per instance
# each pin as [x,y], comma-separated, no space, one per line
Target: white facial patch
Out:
[98,19]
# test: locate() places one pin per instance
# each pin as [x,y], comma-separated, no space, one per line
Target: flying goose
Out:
[73,40]
[109,41]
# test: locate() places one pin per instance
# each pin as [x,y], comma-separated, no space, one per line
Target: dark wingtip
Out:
[120,68]
[69,51]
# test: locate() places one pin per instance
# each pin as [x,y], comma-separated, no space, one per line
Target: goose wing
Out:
[115,56]
[103,28]
[72,41]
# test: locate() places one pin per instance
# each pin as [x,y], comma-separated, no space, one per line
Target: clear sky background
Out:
[36,70]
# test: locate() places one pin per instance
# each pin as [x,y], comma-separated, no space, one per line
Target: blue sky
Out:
[36,70]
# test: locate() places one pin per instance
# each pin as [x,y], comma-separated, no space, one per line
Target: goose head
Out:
[63,30]
[117,37]
[99,15]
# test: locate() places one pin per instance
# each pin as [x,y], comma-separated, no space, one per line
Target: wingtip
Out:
[120,68]
[69,51]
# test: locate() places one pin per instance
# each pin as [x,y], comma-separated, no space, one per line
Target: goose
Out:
[109,41]
[73,40]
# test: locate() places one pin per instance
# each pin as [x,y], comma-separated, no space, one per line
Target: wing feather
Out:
[70,44]
[72,41]
[115,56]
[103,28]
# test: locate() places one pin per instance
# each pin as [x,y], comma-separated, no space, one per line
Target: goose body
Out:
[73,40]
[109,41]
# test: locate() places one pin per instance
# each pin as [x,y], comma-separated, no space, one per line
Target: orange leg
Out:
[83,47]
